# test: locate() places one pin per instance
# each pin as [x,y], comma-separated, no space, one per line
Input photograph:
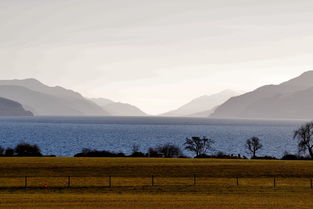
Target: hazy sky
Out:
[155,54]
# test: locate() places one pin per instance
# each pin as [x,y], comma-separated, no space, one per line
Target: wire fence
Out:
[115,181]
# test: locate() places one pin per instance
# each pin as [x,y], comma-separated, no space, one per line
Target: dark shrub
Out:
[27,150]
[120,154]
[96,153]
[169,151]
[289,157]
[1,151]
[204,156]
[265,158]
[152,152]
[221,155]
[9,152]
[138,154]
[166,150]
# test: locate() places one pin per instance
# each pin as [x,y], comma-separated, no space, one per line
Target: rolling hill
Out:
[12,108]
[51,101]
[292,99]
[118,108]
[202,106]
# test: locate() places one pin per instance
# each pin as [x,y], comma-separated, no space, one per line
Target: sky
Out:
[156,55]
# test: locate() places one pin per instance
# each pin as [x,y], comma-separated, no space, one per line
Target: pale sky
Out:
[159,54]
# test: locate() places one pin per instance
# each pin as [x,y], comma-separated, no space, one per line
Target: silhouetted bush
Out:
[27,150]
[96,153]
[1,151]
[289,157]
[221,155]
[152,152]
[136,152]
[166,151]
[9,152]
[264,158]
[120,154]
[169,151]
[204,156]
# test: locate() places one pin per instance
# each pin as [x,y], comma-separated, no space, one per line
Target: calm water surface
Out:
[65,136]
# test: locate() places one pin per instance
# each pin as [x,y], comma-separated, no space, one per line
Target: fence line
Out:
[192,181]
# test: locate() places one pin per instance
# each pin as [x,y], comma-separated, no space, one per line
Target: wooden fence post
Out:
[68,181]
[274,182]
[25,181]
[237,181]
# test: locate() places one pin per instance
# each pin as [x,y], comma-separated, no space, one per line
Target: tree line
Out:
[21,150]
[199,146]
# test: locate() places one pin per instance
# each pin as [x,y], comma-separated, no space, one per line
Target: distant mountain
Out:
[101,101]
[36,85]
[292,99]
[202,106]
[12,108]
[202,114]
[117,108]
[44,100]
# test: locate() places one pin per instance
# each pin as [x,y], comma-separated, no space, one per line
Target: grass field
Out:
[216,185]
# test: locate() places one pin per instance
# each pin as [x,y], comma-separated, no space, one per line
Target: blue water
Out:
[65,136]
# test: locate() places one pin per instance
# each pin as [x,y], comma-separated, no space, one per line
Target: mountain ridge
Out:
[11,108]
[118,108]
[202,104]
[50,101]
[288,100]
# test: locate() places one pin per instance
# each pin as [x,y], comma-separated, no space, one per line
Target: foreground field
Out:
[145,167]
[242,198]
[261,184]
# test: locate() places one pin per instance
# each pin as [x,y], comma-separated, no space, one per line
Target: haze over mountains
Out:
[12,108]
[203,106]
[292,99]
[118,108]
[52,101]
[41,99]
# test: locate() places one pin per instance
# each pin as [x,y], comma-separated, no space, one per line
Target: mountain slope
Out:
[44,100]
[292,99]
[101,101]
[202,105]
[36,85]
[12,108]
[117,108]
[202,114]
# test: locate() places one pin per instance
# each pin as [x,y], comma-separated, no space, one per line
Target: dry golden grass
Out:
[221,200]
[145,167]
[216,185]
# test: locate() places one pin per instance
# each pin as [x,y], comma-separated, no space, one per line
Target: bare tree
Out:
[135,148]
[169,151]
[253,145]
[198,145]
[304,136]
